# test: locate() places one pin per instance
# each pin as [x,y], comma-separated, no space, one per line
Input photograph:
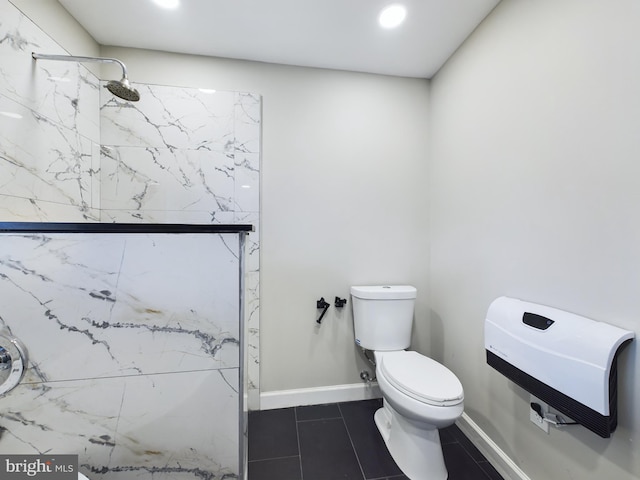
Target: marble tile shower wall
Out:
[181,155]
[71,152]
[49,129]
[134,353]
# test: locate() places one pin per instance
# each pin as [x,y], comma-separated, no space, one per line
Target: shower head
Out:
[120,88]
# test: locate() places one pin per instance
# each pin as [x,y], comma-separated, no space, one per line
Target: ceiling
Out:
[337,34]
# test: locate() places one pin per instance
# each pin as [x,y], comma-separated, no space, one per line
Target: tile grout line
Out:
[295,417]
[353,447]
[316,419]
[272,458]
[387,477]
[483,470]
[471,454]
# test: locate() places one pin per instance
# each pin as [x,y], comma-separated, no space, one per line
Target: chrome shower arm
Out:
[73,58]
[121,89]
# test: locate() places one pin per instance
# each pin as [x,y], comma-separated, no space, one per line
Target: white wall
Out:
[342,200]
[534,193]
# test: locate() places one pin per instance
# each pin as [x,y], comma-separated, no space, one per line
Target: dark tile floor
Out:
[341,441]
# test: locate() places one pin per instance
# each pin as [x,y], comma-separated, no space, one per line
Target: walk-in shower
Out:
[120,88]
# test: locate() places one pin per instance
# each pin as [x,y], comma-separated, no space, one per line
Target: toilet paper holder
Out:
[324,305]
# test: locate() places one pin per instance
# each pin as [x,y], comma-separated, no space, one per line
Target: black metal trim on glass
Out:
[602,425]
[67,227]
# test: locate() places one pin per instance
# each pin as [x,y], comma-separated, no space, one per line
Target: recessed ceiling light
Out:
[392,15]
[167,3]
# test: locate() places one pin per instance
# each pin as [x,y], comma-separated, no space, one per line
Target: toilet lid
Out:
[422,378]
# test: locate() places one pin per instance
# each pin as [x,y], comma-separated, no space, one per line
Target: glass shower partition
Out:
[135,338]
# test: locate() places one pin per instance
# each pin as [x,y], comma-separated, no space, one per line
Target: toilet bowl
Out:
[419,394]
[419,388]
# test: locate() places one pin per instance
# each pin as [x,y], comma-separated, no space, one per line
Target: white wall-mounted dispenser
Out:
[568,361]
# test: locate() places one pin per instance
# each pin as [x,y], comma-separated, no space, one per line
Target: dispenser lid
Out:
[384,292]
[422,378]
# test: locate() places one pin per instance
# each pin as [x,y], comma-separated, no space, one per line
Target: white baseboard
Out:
[492,452]
[318,396]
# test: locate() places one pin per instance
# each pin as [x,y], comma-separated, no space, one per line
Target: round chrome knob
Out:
[13,361]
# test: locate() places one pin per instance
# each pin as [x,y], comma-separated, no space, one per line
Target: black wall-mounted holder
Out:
[324,305]
[340,302]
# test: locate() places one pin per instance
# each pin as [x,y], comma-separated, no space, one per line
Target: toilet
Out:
[419,394]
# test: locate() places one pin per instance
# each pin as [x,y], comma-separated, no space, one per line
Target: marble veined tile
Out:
[66,93]
[135,178]
[169,117]
[252,258]
[148,427]
[17,209]
[252,307]
[164,216]
[248,114]
[42,160]
[247,182]
[95,175]
[98,305]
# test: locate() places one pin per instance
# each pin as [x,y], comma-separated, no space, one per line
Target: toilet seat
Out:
[421,378]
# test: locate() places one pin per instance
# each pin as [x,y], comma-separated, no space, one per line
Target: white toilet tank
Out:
[383,316]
